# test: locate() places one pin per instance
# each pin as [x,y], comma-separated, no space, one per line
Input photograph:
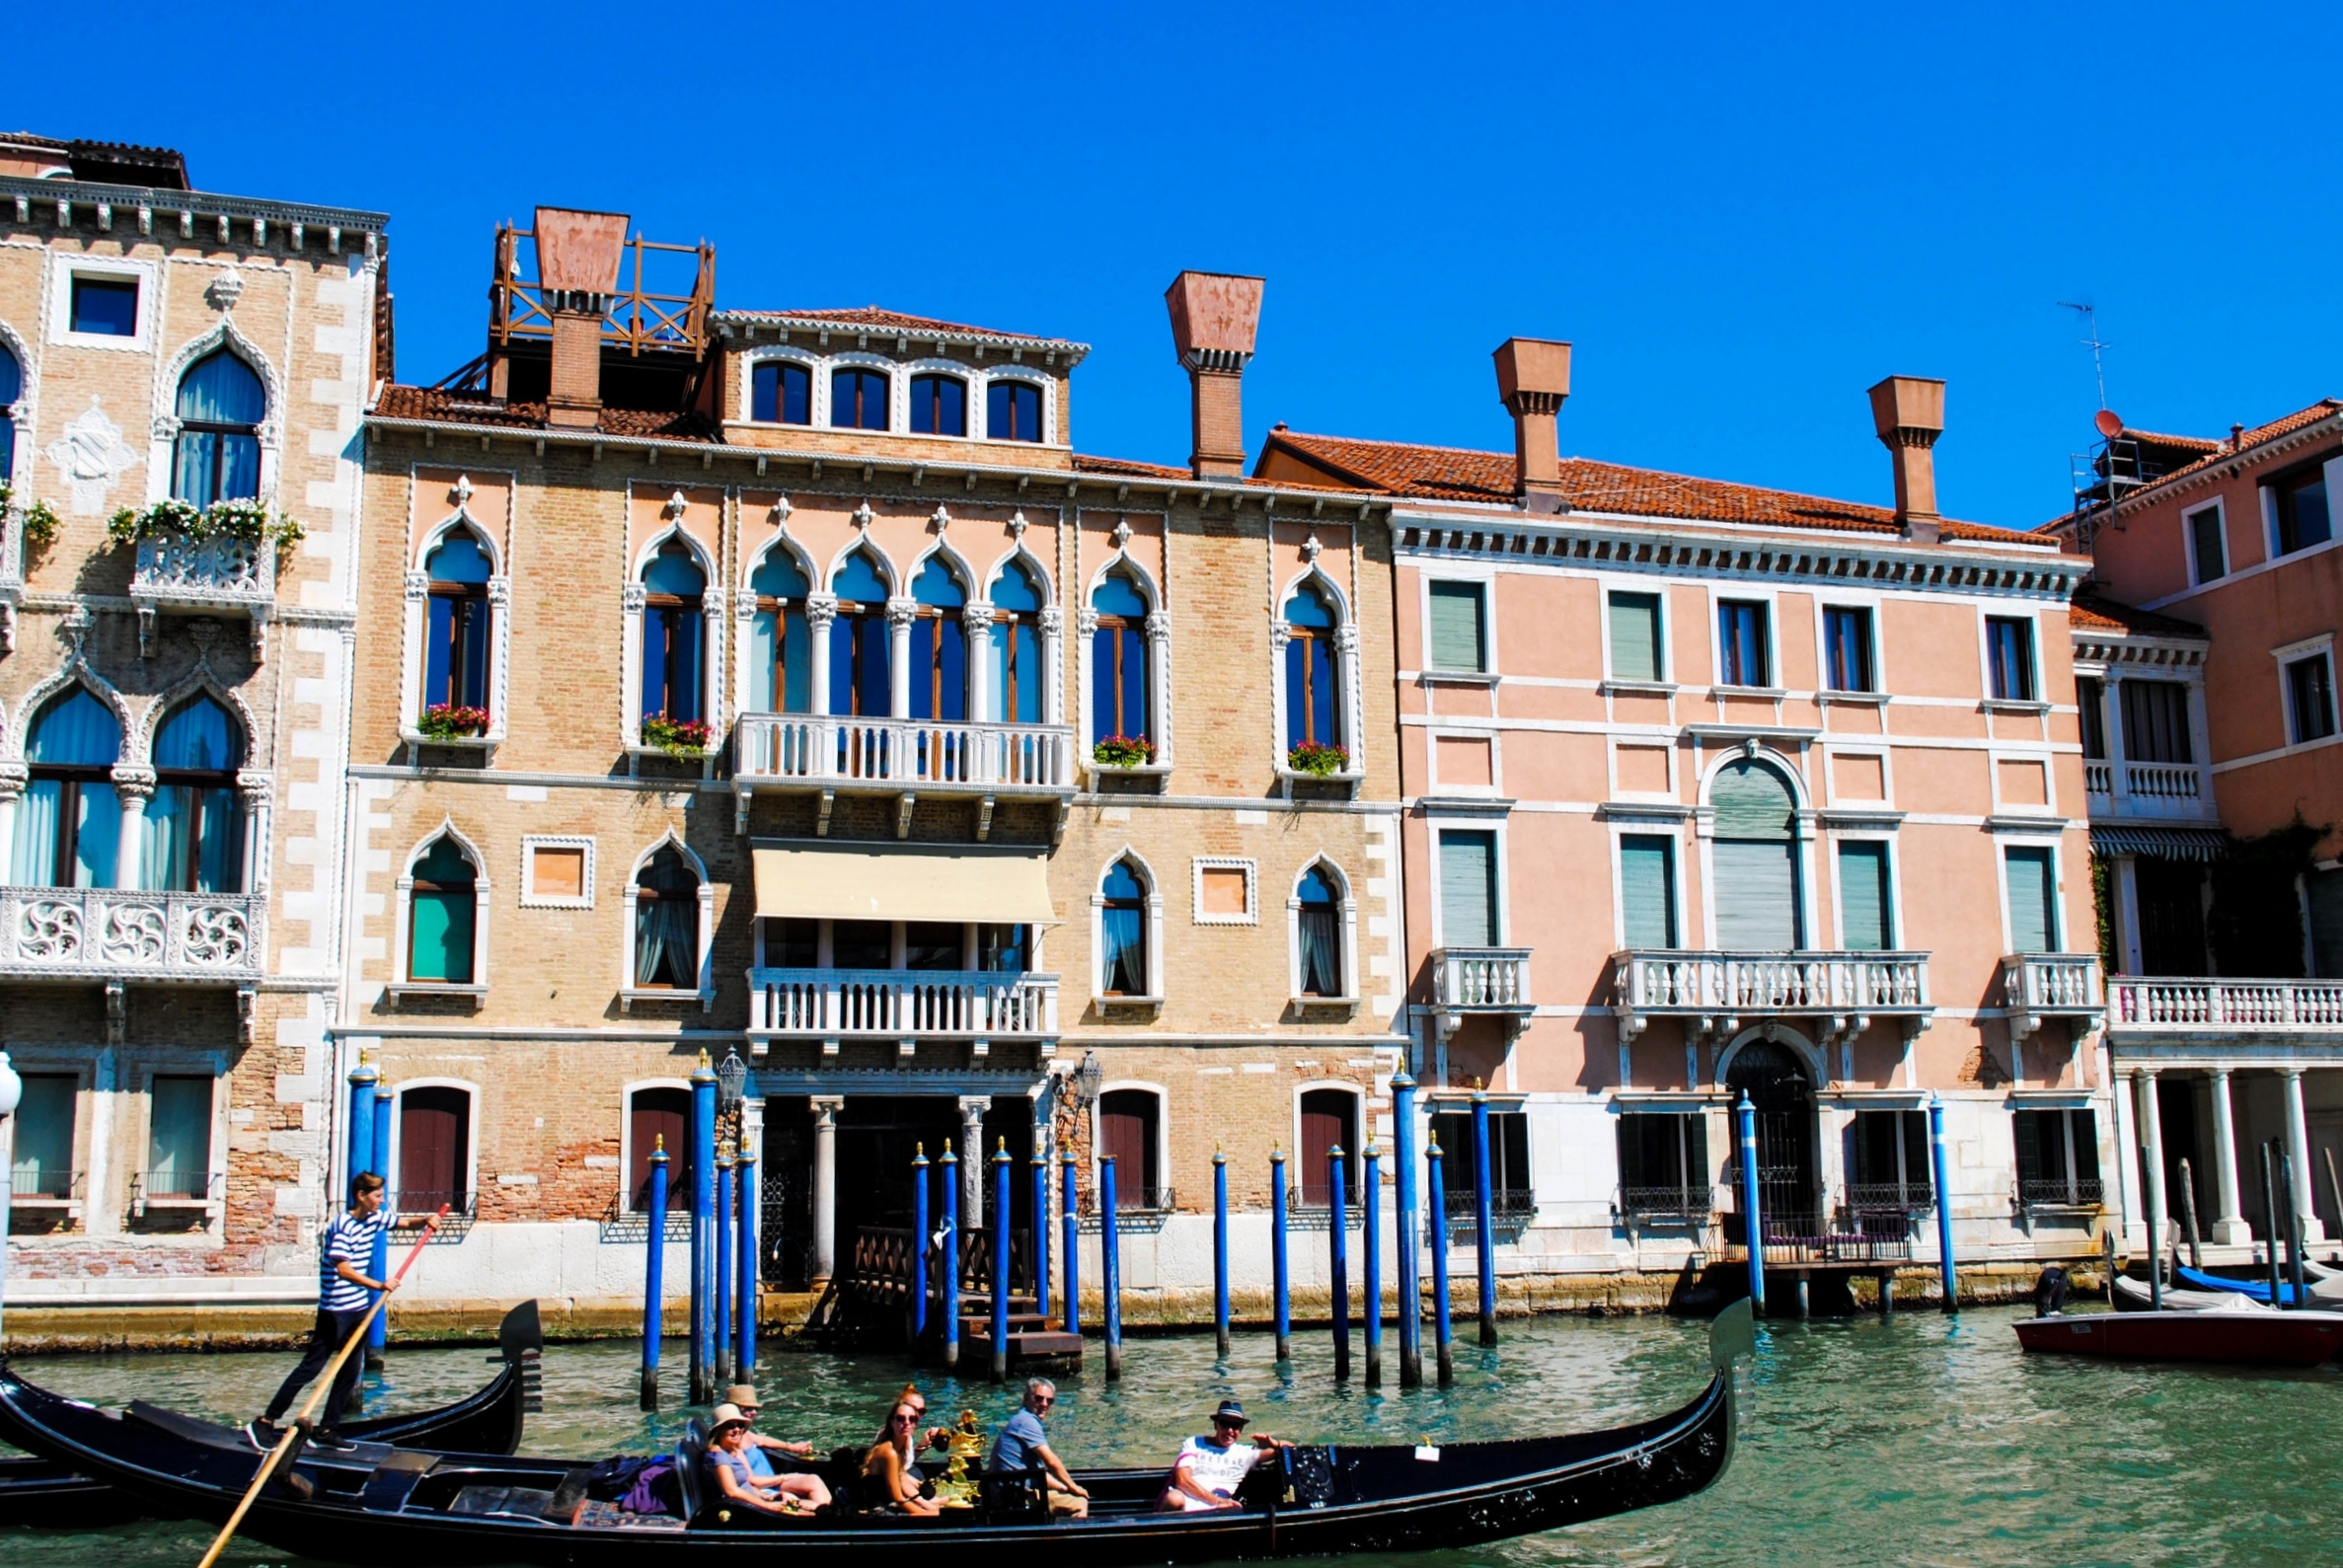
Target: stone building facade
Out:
[173,716]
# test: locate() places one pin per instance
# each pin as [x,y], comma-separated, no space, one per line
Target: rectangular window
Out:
[2090,699]
[2299,506]
[1460,635]
[2009,657]
[1003,949]
[1741,643]
[780,394]
[792,943]
[1647,889]
[2156,721]
[1663,1165]
[1847,648]
[45,1117]
[1636,637]
[861,945]
[106,307]
[932,944]
[1891,1174]
[1468,888]
[2310,697]
[2033,900]
[1509,1184]
[2058,1158]
[2207,544]
[1865,922]
[179,1139]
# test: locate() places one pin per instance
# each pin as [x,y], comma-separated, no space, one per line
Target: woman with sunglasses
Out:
[887,1483]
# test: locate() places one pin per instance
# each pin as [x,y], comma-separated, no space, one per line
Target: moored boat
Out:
[2320,1289]
[41,1492]
[2240,1337]
[2135,1296]
[375,1504]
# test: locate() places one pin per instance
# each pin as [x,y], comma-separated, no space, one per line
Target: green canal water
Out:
[1919,1441]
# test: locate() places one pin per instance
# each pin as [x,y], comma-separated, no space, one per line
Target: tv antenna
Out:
[2097,345]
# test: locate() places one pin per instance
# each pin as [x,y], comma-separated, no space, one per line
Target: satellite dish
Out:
[2109,423]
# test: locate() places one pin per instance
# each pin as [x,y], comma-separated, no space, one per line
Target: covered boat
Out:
[2135,1296]
[376,1504]
[2321,1288]
[39,1491]
[2242,1337]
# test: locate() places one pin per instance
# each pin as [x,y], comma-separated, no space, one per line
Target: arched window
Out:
[659,1118]
[667,923]
[1311,686]
[862,654]
[1012,411]
[1017,647]
[434,1150]
[68,826]
[442,912]
[939,645]
[194,824]
[1756,860]
[217,456]
[781,392]
[939,405]
[1118,660]
[673,589]
[11,387]
[1122,932]
[858,399]
[456,654]
[1318,933]
[780,656]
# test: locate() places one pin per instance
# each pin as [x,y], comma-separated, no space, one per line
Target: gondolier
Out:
[341,1302]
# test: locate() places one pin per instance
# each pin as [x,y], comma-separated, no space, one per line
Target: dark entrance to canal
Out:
[1790,1186]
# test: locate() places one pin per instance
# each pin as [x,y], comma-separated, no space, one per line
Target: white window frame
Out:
[1634,741]
[1870,604]
[89,1155]
[22,411]
[898,392]
[64,267]
[1899,936]
[1605,587]
[401,984]
[2040,757]
[215,1158]
[1156,632]
[744,606]
[1803,834]
[1886,756]
[980,388]
[1226,862]
[163,433]
[971,389]
[1720,595]
[1986,613]
[2219,506]
[634,598]
[1050,629]
[1481,576]
[1670,827]
[530,845]
[1347,904]
[626,1133]
[1154,889]
[771,353]
[1349,721]
[1162,1138]
[2267,490]
[1353,1156]
[392,1160]
[1502,913]
[629,993]
[2003,844]
[2287,657]
[416,627]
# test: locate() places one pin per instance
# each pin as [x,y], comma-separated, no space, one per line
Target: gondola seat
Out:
[691,1469]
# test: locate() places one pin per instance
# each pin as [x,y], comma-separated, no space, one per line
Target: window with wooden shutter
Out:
[1647,890]
[1460,638]
[434,1135]
[1128,1123]
[1864,925]
[2033,907]
[1468,888]
[1755,857]
[1636,636]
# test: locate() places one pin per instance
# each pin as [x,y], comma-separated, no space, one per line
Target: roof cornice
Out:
[1052,349]
[144,205]
[2230,464]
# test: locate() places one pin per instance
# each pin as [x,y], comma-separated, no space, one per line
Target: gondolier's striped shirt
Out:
[349,1240]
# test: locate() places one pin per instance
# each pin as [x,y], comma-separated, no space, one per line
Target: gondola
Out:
[2320,1290]
[39,1491]
[375,1504]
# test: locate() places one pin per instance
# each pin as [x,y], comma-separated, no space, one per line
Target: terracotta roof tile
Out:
[2090,612]
[458,407]
[873,315]
[1440,472]
[1086,464]
[2219,450]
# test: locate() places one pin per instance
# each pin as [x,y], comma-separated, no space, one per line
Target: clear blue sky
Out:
[1742,217]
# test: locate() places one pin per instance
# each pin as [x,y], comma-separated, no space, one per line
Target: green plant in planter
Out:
[40,518]
[684,737]
[233,519]
[448,722]
[1123,751]
[1318,761]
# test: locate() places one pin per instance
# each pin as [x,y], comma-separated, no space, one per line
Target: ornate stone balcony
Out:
[118,936]
[2163,791]
[910,1008]
[2039,987]
[214,576]
[2223,1010]
[1720,989]
[901,755]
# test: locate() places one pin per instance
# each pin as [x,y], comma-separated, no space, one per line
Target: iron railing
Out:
[2061,1192]
[1679,1205]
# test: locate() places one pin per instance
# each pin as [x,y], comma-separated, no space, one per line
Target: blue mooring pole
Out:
[1220,1250]
[1485,1229]
[1371,1232]
[948,1244]
[1279,1286]
[922,1276]
[1070,1240]
[1111,1267]
[1338,1257]
[744,1312]
[1000,1240]
[1753,1224]
[1409,1232]
[1436,1206]
[722,1273]
[703,1173]
[1938,1165]
[654,1274]
[362,1080]
[1040,1228]
[380,1334]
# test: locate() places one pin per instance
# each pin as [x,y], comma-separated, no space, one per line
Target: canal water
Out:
[1923,1440]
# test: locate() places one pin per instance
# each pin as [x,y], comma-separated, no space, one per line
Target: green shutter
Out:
[1752,801]
[1756,895]
[1636,636]
[1469,889]
[1646,891]
[2034,915]
[179,1137]
[442,947]
[1458,641]
[1864,924]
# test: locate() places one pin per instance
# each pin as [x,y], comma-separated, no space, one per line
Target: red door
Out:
[1127,1134]
[660,1114]
[434,1127]
[1329,1117]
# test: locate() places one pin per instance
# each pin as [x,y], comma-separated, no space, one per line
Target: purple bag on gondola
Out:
[653,1491]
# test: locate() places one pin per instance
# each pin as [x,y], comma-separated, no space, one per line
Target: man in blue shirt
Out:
[342,1303]
[1022,1444]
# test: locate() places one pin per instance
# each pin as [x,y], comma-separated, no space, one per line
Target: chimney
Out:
[1908,412]
[1532,380]
[577,265]
[1213,317]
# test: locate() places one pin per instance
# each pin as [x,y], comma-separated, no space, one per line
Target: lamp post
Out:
[12,1091]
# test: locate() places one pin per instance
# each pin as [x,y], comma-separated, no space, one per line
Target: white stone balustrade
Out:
[910,1007]
[2038,987]
[124,934]
[831,751]
[2195,1005]
[1844,986]
[1481,980]
[210,576]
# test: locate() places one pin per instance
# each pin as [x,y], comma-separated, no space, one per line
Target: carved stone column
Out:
[900,613]
[825,1187]
[135,787]
[820,610]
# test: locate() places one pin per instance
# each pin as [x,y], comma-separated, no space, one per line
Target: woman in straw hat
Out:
[728,1466]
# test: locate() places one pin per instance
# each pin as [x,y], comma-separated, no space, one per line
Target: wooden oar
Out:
[316,1391]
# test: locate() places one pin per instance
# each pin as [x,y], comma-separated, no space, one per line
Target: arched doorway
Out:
[1789,1188]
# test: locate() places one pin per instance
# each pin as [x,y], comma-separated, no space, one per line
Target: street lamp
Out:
[12,1093]
[731,1079]
[1087,1078]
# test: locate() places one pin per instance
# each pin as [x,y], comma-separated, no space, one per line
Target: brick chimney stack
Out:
[577,265]
[1213,318]
[1533,381]
[1908,412]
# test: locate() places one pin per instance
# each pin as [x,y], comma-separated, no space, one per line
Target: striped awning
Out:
[2169,844]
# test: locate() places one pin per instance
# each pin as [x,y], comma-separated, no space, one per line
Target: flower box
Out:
[446,721]
[1318,761]
[686,737]
[1123,751]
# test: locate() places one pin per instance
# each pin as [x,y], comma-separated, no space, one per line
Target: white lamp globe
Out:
[12,1087]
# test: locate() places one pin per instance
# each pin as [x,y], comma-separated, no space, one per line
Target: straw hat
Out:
[744,1396]
[723,1416]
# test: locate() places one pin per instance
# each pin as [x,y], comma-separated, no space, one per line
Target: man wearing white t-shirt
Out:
[1209,1470]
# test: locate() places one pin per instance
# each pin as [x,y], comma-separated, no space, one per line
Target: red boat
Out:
[2248,1338]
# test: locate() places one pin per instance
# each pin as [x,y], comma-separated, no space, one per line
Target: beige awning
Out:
[955,882]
